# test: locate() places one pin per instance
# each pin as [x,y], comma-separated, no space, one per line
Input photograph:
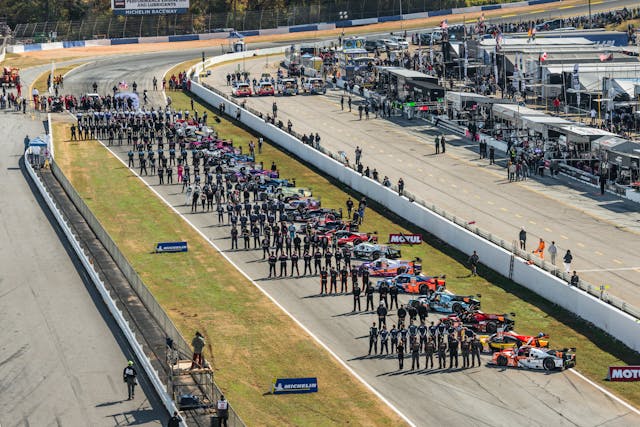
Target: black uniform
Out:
[333,288]
[442,355]
[415,355]
[283,264]
[294,263]
[429,348]
[384,340]
[384,290]
[400,349]
[356,297]
[234,233]
[393,294]
[373,339]
[317,257]
[307,263]
[272,265]
[382,315]
[476,348]
[344,277]
[323,281]
[453,351]
[369,291]
[465,349]
[394,338]
[129,375]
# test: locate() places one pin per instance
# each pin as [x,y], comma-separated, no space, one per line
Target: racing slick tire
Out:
[492,327]
[548,364]
[501,360]
[375,255]
[357,242]
[457,308]
[424,290]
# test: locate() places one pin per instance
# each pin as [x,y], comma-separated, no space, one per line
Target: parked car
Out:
[350,237]
[412,284]
[529,357]
[385,267]
[242,89]
[449,303]
[288,87]
[372,45]
[265,89]
[483,322]
[315,86]
[374,251]
[505,340]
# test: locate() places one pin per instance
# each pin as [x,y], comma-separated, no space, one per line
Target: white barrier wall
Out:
[605,316]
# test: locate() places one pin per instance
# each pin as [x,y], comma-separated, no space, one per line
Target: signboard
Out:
[624,373]
[401,239]
[149,7]
[295,385]
[171,247]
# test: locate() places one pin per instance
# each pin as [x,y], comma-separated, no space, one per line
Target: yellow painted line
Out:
[532,222]
[511,14]
[581,244]
[617,261]
[567,7]
[564,237]
[597,2]
[599,253]
[518,216]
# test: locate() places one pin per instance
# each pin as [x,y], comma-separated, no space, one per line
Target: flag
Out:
[123,85]
[543,56]
[52,78]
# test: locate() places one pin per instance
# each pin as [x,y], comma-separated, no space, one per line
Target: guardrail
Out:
[587,301]
[130,336]
[134,279]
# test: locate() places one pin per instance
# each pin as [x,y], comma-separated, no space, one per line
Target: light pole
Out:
[590,22]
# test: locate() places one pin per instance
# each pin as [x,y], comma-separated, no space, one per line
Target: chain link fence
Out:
[111,26]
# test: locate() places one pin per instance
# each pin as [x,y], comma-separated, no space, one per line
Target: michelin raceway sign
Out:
[401,239]
[295,385]
[163,247]
[624,373]
[149,7]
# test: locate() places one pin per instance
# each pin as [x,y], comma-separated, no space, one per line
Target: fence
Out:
[134,279]
[591,303]
[110,26]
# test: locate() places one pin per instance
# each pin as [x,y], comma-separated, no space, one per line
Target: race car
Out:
[242,89]
[385,267]
[314,86]
[411,284]
[374,251]
[265,88]
[350,237]
[506,340]
[288,87]
[482,322]
[449,303]
[529,357]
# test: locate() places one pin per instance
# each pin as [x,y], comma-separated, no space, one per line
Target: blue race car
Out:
[448,303]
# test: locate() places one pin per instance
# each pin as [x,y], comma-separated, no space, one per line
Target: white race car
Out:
[374,251]
[535,358]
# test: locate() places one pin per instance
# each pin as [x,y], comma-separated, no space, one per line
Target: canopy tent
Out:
[37,142]
[608,142]
[542,124]
[513,111]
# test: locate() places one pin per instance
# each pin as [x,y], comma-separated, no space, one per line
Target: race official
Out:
[307,262]
[333,274]
[294,263]
[272,265]
[344,277]
[442,355]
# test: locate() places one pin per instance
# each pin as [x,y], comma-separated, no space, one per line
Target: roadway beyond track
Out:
[601,231]
[478,396]
[62,355]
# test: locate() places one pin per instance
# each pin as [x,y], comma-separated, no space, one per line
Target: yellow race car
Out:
[506,340]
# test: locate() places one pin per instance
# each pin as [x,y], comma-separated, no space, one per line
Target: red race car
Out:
[350,237]
[483,322]
[265,89]
[242,89]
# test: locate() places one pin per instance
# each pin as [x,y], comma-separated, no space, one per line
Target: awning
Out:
[37,142]
[513,111]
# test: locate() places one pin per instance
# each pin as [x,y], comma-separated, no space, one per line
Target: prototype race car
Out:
[482,322]
[374,251]
[385,267]
[448,303]
[242,89]
[411,284]
[529,357]
[350,237]
[506,340]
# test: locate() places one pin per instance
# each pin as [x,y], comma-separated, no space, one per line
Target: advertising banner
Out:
[624,373]
[149,7]
[171,247]
[295,385]
[401,239]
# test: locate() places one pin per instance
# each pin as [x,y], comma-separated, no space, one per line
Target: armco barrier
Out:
[110,303]
[494,253]
[134,279]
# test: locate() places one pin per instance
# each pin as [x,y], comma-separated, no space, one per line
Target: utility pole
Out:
[590,22]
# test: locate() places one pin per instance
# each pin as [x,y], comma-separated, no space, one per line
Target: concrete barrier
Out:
[459,235]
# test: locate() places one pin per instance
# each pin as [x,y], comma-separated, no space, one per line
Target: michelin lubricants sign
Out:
[295,385]
[163,247]
[149,7]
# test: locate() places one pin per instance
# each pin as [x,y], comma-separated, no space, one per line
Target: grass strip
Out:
[596,349]
[40,83]
[251,341]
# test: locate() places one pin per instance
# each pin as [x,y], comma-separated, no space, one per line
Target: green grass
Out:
[596,349]
[201,291]
[40,82]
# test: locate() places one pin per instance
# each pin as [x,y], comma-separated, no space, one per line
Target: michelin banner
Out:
[149,7]
[295,385]
[164,247]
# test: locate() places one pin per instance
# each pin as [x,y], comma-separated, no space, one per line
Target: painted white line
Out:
[609,269]
[304,328]
[607,392]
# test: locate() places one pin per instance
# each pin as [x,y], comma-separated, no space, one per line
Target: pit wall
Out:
[280,30]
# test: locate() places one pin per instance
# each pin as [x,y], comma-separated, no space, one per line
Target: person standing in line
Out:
[400,350]
[429,349]
[442,355]
[492,155]
[384,340]
[453,351]
[474,259]
[567,260]
[442,144]
[415,355]
[369,291]
[198,345]
[465,348]
[393,294]
[553,251]
[373,339]
[522,238]
[129,377]
[382,314]
[437,143]
[222,409]
[356,297]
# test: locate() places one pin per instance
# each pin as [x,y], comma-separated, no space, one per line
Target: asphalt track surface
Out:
[478,396]
[62,355]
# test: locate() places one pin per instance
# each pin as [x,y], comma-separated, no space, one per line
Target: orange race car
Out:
[529,357]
